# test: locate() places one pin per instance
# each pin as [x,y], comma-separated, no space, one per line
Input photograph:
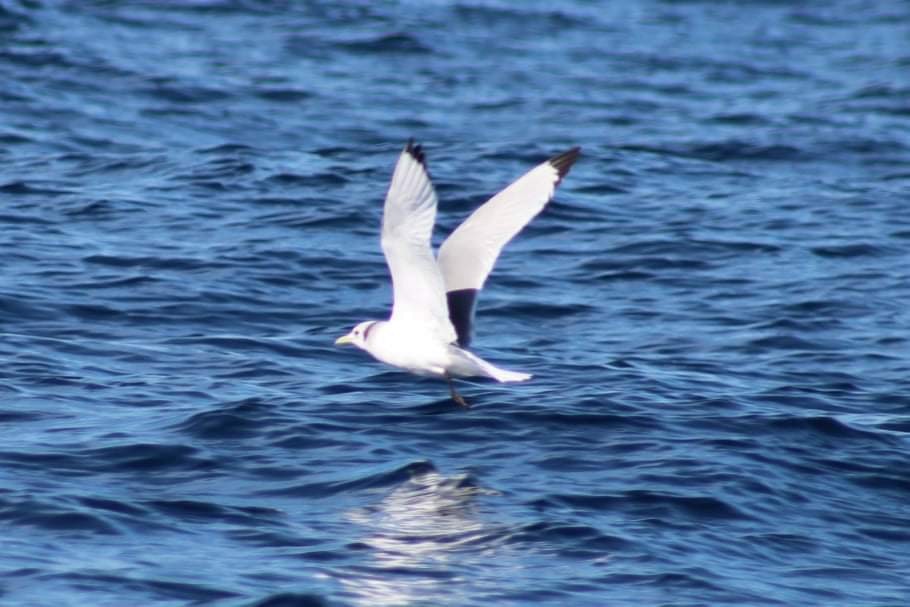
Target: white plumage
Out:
[432,314]
[408,217]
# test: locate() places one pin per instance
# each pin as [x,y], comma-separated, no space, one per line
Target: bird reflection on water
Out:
[412,534]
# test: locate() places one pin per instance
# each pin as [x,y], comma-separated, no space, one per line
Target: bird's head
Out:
[357,336]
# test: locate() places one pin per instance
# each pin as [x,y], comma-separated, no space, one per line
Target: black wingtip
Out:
[416,152]
[563,162]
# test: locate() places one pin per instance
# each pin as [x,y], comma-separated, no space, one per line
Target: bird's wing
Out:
[468,254]
[407,224]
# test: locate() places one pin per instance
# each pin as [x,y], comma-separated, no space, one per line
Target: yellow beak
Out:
[344,340]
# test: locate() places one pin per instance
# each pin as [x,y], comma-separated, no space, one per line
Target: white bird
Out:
[434,299]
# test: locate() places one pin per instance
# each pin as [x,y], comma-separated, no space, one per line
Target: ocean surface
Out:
[716,306]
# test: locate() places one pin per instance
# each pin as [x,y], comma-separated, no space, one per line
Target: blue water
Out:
[715,307]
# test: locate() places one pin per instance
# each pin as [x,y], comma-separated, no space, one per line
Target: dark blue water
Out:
[716,307]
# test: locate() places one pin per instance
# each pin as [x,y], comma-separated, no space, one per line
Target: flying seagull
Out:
[434,299]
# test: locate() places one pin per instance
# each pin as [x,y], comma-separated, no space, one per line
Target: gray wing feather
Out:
[467,256]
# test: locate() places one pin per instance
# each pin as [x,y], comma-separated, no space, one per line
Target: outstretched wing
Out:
[407,224]
[468,254]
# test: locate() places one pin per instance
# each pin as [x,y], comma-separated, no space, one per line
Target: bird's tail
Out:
[492,371]
[504,375]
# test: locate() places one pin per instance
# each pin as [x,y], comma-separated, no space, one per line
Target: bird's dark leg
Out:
[455,395]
